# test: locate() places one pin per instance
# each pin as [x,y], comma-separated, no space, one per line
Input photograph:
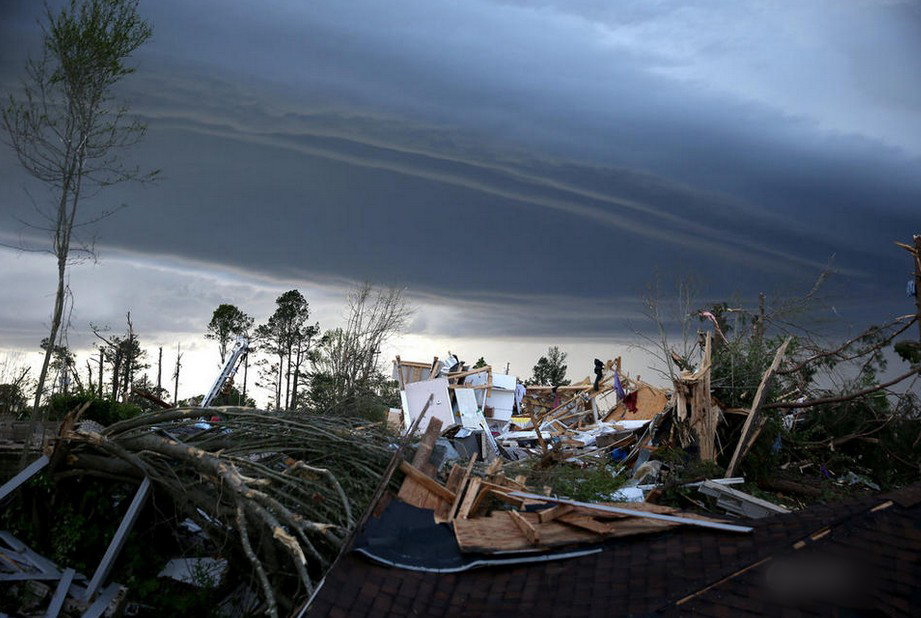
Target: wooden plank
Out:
[554,512]
[461,487]
[60,593]
[464,374]
[536,426]
[412,491]
[426,481]
[741,446]
[529,531]
[636,513]
[585,523]
[470,497]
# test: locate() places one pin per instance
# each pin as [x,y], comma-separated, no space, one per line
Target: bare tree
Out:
[350,356]
[66,129]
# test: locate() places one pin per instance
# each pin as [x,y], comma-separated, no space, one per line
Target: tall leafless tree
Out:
[350,356]
[67,130]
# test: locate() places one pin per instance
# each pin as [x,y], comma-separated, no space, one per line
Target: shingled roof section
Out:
[861,558]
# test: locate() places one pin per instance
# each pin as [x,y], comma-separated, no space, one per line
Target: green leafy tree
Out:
[550,370]
[288,336]
[66,129]
[227,323]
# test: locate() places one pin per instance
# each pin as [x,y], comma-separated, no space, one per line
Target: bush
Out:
[103,411]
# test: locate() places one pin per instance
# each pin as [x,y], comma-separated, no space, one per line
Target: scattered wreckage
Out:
[492,421]
[284,493]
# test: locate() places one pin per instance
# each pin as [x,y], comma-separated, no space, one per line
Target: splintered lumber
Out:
[744,443]
[461,487]
[412,491]
[527,529]
[703,523]
[499,533]
[427,482]
[470,497]
[453,484]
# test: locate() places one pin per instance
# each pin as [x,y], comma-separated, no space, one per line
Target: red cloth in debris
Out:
[630,401]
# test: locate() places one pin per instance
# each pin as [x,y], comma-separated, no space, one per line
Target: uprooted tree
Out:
[67,131]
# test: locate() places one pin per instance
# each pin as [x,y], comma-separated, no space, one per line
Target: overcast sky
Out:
[525,169]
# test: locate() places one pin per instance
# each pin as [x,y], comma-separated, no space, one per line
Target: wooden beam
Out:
[464,374]
[742,446]
[529,531]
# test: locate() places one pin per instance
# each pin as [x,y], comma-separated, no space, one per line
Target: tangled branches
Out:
[287,484]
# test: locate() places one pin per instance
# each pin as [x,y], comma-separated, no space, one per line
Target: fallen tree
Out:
[282,488]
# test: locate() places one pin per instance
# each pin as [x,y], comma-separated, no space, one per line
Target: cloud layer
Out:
[527,168]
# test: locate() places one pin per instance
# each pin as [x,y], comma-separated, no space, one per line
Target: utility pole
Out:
[176,375]
[100,371]
[160,372]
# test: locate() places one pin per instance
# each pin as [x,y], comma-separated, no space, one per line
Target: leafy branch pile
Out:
[283,489]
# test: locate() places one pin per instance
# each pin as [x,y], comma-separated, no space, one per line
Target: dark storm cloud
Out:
[507,156]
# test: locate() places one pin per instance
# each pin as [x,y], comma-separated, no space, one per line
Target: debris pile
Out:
[514,421]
